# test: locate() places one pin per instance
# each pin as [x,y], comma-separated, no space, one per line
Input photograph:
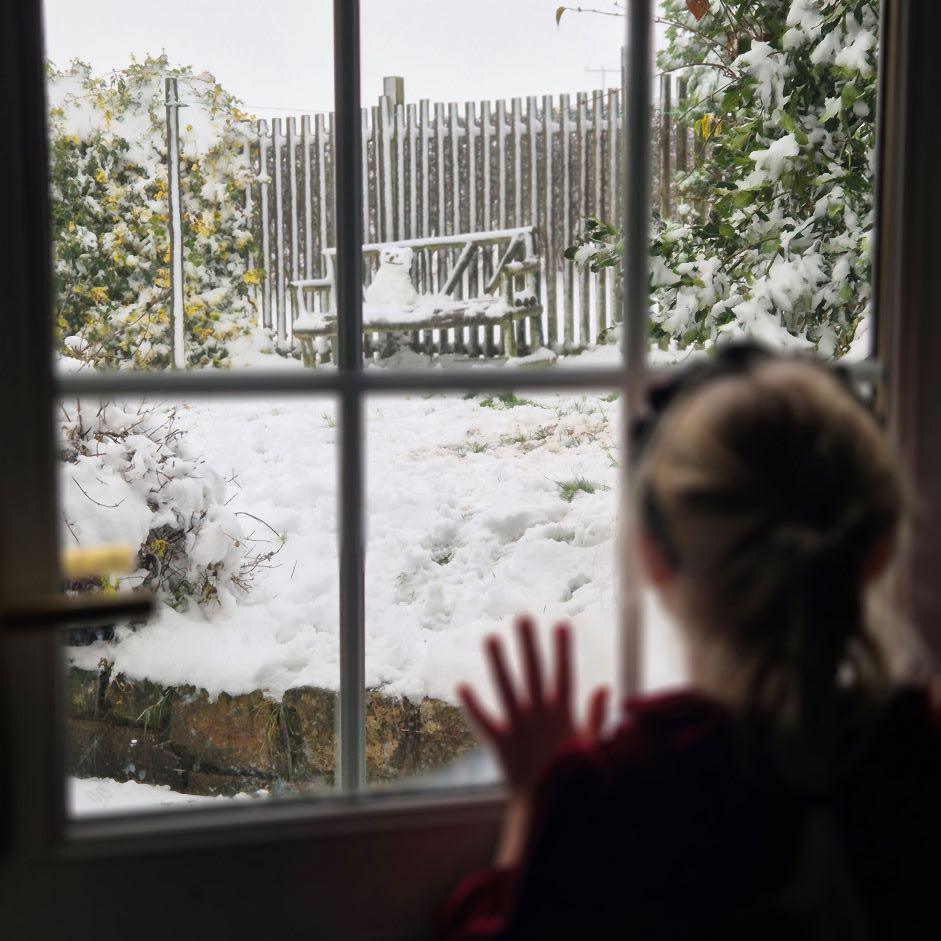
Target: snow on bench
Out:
[391,303]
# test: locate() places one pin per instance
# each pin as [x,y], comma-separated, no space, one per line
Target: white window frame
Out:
[399,851]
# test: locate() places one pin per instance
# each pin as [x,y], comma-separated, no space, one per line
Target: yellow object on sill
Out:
[97,562]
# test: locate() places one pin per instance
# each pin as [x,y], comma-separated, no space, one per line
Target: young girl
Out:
[791,791]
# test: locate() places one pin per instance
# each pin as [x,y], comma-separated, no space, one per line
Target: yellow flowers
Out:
[98,294]
[253,276]
[709,126]
[101,176]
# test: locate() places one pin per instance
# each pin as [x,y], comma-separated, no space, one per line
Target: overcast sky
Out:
[277,54]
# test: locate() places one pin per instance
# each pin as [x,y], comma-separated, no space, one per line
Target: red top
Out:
[664,831]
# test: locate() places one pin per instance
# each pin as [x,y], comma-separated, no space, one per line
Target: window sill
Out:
[299,819]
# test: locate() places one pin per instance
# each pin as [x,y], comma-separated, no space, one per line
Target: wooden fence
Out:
[433,169]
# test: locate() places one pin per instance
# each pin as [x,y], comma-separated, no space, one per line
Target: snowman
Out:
[391,285]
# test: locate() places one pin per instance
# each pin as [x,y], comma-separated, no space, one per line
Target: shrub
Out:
[108,176]
[773,234]
[129,475]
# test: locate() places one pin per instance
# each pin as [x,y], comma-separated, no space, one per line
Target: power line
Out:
[603,70]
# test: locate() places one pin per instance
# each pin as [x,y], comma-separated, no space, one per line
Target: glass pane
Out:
[225,509]
[480,508]
[189,189]
[479,162]
[763,182]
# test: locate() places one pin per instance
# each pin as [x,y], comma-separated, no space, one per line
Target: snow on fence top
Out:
[436,169]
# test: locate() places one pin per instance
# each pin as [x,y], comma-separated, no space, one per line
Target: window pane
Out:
[480,508]
[176,239]
[225,509]
[763,178]
[479,163]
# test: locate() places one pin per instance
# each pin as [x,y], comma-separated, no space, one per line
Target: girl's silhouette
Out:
[793,790]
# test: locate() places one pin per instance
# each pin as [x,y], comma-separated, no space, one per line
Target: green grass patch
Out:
[569,488]
[506,400]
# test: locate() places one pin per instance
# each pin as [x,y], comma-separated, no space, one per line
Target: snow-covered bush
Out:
[108,174]
[773,233]
[129,475]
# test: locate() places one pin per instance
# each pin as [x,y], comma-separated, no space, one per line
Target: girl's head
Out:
[769,499]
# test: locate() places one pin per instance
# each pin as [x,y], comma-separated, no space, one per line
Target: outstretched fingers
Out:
[562,638]
[532,662]
[479,719]
[597,712]
[501,676]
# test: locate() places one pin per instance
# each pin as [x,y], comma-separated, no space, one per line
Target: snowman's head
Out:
[396,255]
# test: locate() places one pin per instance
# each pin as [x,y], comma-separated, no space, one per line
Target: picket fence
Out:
[433,169]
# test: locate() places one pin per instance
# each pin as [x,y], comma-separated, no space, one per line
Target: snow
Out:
[857,54]
[769,68]
[469,524]
[96,796]
[772,162]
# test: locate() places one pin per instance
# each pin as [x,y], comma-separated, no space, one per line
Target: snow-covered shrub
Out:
[108,173]
[773,233]
[129,475]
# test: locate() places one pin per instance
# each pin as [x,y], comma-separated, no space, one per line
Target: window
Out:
[319,863]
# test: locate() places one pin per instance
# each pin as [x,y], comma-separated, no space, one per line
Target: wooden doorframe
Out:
[908,302]
[367,871]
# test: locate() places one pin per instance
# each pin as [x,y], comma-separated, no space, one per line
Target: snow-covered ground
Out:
[96,796]
[479,508]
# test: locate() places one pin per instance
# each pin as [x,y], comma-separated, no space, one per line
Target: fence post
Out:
[665,162]
[682,155]
[175,222]
[263,183]
[277,148]
[393,88]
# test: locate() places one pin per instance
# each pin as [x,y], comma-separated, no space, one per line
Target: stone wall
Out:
[133,729]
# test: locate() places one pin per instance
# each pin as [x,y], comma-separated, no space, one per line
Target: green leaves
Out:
[109,219]
[765,232]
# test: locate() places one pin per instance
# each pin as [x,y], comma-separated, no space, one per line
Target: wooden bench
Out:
[505,263]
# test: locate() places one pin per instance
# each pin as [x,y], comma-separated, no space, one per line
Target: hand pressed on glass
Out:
[538,715]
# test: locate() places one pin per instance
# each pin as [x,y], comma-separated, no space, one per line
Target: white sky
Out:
[277,54]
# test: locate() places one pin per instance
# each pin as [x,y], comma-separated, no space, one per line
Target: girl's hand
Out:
[537,716]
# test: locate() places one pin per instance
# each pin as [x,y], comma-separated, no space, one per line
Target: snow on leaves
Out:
[129,476]
[774,225]
[108,179]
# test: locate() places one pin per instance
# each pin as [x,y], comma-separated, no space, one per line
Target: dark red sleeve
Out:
[545,895]
[479,908]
